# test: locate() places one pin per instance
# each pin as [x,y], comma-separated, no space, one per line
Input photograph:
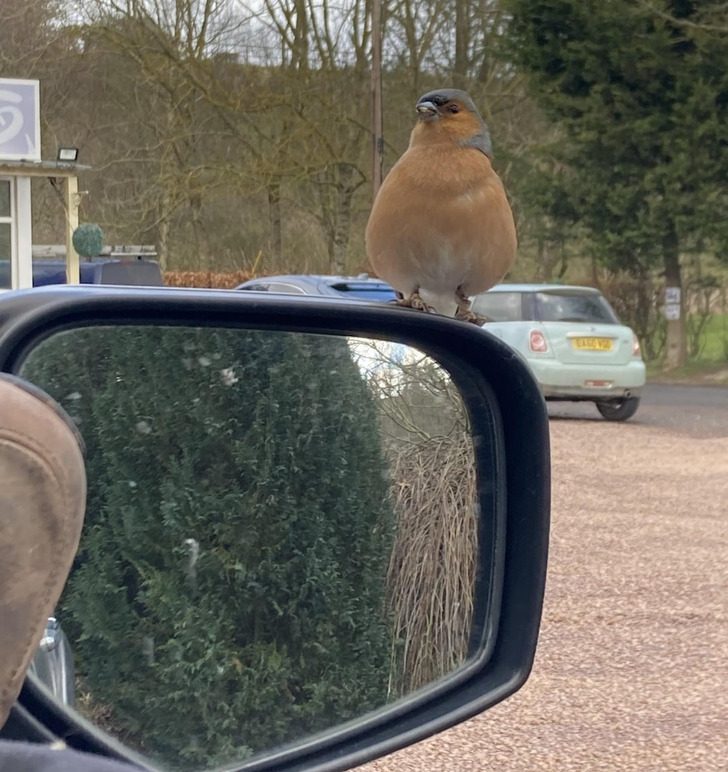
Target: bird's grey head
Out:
[449,102]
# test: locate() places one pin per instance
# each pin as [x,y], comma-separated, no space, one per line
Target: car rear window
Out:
[573,307]
[282,286]
[363,291]
[500,306]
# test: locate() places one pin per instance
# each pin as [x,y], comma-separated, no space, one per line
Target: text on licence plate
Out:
[592,344]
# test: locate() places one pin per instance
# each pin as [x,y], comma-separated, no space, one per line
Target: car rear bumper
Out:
[561,381]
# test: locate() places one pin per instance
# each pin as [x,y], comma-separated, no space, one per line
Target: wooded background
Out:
[235,136]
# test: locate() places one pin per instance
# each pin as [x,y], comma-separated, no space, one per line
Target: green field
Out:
[710,366]
[714,347]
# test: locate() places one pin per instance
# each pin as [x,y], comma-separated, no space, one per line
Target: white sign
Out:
[672,295]
[672,311]
[19,120]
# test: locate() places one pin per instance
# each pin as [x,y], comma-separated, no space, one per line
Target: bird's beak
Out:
[426,109]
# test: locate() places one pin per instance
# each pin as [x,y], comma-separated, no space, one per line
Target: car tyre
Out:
[618,409]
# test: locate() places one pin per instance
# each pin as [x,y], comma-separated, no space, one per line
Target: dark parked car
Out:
[128,271]
[360,287]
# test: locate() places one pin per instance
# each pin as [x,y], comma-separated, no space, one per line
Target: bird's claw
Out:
[472,317]
[416,302]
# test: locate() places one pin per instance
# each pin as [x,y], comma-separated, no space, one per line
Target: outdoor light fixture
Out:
[68,154]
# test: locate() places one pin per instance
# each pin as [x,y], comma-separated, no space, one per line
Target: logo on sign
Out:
[672,295]
[19,120]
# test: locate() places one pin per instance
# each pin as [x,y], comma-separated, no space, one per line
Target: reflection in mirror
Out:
[280,532]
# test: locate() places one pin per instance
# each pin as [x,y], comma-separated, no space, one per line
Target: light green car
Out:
[573,342]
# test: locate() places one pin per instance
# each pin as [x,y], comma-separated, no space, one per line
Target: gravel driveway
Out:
[632,666]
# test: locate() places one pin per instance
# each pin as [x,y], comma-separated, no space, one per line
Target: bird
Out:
[441,229]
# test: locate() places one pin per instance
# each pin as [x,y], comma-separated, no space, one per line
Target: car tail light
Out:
[636,352]
[537,342]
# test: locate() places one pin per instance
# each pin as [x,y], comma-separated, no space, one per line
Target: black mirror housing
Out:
[508,423]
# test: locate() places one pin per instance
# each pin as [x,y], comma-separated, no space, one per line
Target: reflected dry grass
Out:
[432,570]
[431,573]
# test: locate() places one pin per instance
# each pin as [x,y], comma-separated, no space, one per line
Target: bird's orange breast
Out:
[441,216]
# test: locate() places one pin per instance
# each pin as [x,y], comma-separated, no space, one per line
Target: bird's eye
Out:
[453,109]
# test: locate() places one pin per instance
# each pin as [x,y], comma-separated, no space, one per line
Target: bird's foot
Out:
[466,315]
[416,302]
[465,311]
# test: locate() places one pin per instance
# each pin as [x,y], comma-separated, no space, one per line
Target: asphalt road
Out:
[631,672]
[700,411]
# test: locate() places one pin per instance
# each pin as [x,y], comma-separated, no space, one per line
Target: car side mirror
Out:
[315,532]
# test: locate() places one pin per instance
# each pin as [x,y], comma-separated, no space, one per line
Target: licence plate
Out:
[592,344]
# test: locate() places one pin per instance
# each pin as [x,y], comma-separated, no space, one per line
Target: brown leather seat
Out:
[42,504]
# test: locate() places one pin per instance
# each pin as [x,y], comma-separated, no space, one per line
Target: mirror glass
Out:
[280,534]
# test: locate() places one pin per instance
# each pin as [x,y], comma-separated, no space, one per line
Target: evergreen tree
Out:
[642,95]
[229,592]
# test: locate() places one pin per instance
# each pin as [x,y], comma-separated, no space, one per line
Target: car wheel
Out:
[618,409]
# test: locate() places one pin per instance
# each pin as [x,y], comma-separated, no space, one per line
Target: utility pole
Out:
[376,93]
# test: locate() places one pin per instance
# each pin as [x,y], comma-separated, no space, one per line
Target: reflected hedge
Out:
[229,592]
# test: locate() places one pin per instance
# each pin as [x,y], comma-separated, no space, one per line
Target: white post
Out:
[70,187]
[24,233]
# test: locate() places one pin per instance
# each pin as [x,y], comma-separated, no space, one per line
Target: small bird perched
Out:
[441,228]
